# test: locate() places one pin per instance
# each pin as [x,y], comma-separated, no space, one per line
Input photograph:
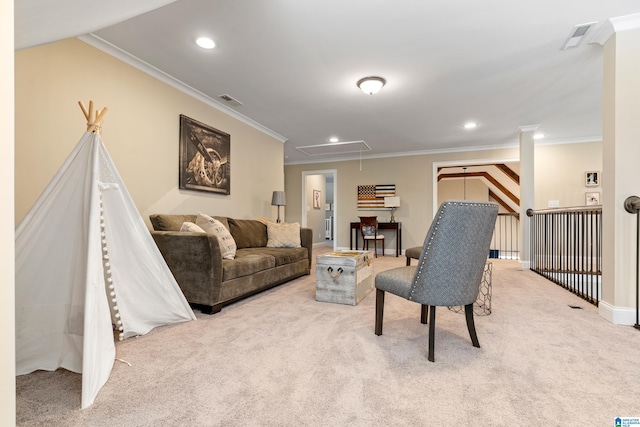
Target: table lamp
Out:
[278,199]
[392,202]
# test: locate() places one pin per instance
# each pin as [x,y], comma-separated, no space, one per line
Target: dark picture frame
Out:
[592,178]
[205,157]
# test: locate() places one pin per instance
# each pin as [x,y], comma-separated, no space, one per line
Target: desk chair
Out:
[369,232]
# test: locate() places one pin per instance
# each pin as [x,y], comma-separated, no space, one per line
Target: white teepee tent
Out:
[85,261]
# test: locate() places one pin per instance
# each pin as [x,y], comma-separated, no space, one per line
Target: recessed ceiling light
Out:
[538,135]
[470,125]
[205,43]
[334,139]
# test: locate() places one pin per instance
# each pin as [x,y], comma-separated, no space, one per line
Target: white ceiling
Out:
[294,65]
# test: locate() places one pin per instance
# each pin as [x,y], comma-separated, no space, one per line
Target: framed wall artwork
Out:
[205,157]
[371,197]
[592,198]
[316,199]
[592,178]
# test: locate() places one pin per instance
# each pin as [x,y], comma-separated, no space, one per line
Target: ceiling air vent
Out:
[229,100]
[577,35]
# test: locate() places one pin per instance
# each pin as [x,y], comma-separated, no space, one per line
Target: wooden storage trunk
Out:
[344,277]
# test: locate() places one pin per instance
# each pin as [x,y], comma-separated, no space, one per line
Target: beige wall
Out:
[140,132]
[560,173]
[412,175]
[559,176]
[7,281]
[462,189]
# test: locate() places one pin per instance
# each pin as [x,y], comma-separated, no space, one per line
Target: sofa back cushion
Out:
[248,233]
[173,222]
[283,235]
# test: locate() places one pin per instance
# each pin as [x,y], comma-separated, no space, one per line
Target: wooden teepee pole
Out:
[94,118]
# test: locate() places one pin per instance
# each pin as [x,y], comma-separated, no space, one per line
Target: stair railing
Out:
[632,205]
[566,248]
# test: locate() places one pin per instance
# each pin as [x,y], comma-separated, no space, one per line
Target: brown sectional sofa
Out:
[210,282]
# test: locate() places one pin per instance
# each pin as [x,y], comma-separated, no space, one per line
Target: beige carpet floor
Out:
[281,358]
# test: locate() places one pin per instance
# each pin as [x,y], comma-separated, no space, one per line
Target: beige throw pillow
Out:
[191,227]
[283,235]
[213,226]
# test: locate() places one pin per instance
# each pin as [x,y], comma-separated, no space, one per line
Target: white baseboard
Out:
[617,315]
[525,265]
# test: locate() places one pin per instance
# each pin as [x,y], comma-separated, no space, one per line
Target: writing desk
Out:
[395,226]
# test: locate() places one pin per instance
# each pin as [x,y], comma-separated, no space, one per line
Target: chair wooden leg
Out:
[468,311]
[379,310]
[424,312]
[432,333]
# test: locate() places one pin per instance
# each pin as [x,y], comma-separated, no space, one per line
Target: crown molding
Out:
[401,154]
[616,25]
[127,58]
[515,144]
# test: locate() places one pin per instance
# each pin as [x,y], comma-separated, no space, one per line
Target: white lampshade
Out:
[391,202]
[371,85]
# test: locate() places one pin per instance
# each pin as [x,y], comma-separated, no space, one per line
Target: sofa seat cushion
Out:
[246,263]
[282,256]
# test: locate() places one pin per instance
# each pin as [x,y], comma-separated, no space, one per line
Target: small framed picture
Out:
[316,199]
[592,198]
[592,178]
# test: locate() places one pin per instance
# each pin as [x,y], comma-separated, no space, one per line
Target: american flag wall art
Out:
[371,197]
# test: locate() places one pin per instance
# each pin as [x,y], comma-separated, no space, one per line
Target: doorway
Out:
[319,207]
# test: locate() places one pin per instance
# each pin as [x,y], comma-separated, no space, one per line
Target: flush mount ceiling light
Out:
[371,84]
[470,125]
[538,135]
[205,43]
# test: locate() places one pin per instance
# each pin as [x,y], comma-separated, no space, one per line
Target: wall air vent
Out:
[577,35]
[229,100]
[334,148]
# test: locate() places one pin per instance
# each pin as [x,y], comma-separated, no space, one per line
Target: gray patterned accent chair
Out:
[450,267]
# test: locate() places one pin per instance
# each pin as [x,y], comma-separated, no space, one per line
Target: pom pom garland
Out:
[107,269]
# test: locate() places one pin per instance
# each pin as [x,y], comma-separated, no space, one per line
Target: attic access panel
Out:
[334,148]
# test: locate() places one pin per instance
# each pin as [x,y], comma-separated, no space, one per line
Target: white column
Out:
[527,191]
[7,257]
[620,177]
